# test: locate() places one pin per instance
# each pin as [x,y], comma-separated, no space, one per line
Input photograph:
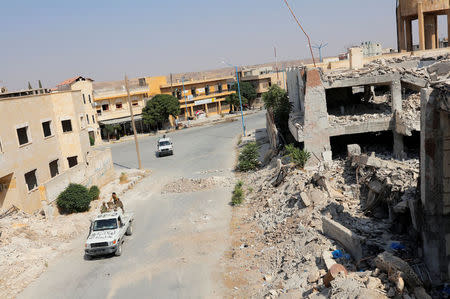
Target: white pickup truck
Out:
[164,146]
[107,233]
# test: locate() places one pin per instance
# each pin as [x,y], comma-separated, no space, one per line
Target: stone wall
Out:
[98,170]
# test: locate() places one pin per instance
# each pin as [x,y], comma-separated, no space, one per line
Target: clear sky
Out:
[56,40]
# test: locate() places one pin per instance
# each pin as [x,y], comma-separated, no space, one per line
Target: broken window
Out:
[118,105]
[46,127]
[84,99]
[31,180]
[105,107]
[54,168]
[22,134]
[66,125]
[73,161]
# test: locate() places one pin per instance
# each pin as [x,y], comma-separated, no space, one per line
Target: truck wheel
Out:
[119,250]
[129,231]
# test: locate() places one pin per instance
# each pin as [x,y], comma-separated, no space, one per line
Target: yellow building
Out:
[111,103]
[42,134]
[207,95]
[263,78]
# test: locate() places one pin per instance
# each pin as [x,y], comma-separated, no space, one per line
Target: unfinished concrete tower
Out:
[426,12]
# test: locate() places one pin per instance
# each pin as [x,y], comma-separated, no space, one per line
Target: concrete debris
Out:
[194,185]
[296,227]
[397,268]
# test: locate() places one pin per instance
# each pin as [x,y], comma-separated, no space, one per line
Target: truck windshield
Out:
[164,143]
[105,224]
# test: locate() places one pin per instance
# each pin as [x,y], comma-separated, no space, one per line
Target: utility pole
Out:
[320,47]
[133,124]
[185,101]
[276,60]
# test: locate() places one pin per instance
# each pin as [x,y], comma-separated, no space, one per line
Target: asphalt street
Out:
[179,238]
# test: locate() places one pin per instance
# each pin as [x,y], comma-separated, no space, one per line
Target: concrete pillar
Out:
[409,37]
[430,22]
[356,58]
[219,107]
[192,111]
[396,94]
[400,32]
[421,26]
[316,130]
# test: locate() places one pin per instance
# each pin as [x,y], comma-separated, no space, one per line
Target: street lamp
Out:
[239,93]
[185,101]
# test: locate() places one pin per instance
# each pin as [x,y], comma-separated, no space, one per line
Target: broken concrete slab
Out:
[348,239]
[389,263]
[353,150]
[327,257]
[305,199]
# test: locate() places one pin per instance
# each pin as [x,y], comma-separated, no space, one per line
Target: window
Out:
[270,84]
[141,81]
[105,107]
[99,111]
[135,103]
[46,127]
[179,94]
[81,121]
[174,94]
[219,88]
[89,96]
[31,180]
[1,147]
[118,105]
[93,119]
[66,125]
[84,99]
[54,171]
[207,90]
[193,92]
[87,118]
[22,134]
[73,161]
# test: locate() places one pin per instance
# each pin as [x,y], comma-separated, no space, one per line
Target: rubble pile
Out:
[312,236]
[346,120]
[183,185]
[411,110]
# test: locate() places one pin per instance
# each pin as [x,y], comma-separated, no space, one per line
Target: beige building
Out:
[89,116]
[263,78]
[42,134]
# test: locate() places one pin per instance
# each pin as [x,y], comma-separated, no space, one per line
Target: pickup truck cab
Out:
[164,146]
[107,233]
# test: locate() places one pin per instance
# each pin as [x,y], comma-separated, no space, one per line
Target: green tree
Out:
[233,99]
[113,130]
[248,158]
[248,91]
[158,109]
[299,157]
[277,100]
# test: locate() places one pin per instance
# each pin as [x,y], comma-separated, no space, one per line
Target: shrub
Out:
[91,140]
[299,157]
[94,192]
[75,198]
[238,194]
[248,158]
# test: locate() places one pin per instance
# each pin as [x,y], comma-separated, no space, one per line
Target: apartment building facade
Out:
[42,134]
[207,95]
[85,85]
[263,78]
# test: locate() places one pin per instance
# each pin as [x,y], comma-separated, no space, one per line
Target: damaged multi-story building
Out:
[397,108]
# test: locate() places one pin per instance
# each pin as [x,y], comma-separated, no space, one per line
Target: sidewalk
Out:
[214,119]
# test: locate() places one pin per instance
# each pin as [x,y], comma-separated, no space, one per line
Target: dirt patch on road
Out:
[184,185]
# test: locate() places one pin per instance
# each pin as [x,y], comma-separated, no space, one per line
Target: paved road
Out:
[178,240]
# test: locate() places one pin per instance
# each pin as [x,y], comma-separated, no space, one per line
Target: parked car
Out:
[164,146]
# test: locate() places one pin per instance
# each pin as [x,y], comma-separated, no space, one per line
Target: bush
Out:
[248,158]
[299,157]
[91,140]
[94,192]
[75,198]
[238,194]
